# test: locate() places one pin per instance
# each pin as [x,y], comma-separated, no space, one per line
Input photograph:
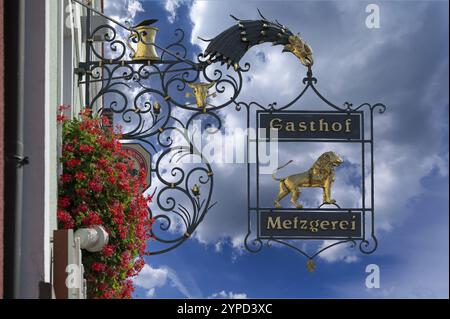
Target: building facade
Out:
[2,154]
[43,46]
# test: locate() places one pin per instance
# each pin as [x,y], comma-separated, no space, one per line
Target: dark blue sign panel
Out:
[310,224]
[312,125]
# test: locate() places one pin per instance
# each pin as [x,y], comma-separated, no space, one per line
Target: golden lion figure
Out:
[321,174]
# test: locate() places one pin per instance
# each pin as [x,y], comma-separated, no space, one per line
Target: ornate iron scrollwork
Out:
[146,91]
[145,97]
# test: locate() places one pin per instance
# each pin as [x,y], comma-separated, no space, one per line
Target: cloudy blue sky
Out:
[403,64]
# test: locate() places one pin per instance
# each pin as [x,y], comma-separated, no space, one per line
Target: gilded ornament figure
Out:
[201,93]
[321,174]
[145,49]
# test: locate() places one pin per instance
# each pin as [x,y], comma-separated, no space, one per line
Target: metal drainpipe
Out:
[14,98]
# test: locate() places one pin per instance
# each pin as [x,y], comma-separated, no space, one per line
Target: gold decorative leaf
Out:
[310,265]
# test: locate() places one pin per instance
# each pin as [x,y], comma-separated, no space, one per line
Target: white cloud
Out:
[134,6]
[228,295]
[338,252]
[123,10]
[150,293]
[218,246]
[171,7]
[151,278]
[176,283]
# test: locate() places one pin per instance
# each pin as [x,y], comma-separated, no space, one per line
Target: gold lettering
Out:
[295,222]
[323,126]
[348,123]
[313,226]
[271,224]
[287,224]
[336,127]
[320,125]
[324,224]
[302,127]
[290,127]
[333,224]
[278,124]
[343,224]
[303,225]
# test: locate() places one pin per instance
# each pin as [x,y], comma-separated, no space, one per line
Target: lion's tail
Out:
[275,171]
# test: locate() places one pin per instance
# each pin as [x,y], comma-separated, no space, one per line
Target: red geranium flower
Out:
[73,162]
[80,176]
[98,267]
[86,148]
[65,218]
[63,202]
[92,219]
[83,207]
[65,178]
[94,186]
[108,250]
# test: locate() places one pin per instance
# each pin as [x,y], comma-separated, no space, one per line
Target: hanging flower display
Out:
[99,186]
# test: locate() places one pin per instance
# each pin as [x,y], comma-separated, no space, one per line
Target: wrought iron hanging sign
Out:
[155,92]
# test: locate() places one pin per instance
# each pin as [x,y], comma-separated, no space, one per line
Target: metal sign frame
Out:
[368,242]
